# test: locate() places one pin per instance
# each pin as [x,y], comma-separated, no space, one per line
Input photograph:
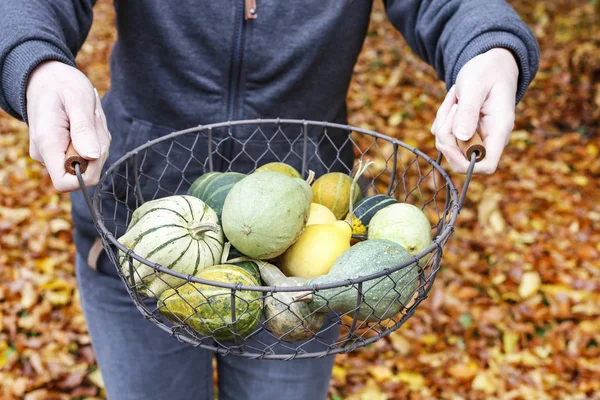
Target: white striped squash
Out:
[180,233]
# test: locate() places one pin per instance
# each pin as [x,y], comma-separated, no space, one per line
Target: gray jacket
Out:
[178,64]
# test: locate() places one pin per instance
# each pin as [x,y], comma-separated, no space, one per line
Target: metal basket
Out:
[169,164]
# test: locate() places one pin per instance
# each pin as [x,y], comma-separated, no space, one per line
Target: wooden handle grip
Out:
[473,145]
[72,157]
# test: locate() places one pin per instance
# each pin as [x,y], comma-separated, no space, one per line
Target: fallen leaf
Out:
[484,382]
[464,372]
[381,373]
[530,284]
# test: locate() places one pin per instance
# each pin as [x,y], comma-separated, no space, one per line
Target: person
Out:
[180,64]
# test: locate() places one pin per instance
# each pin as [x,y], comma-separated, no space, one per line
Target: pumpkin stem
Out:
[311,177]
[361,169]
[270,273]
[197,230]
[226,250]
[302,297]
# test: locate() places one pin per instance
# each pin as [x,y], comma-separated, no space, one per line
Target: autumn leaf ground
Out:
[515,310]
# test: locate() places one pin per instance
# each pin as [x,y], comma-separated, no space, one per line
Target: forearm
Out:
[33,31]
[449,34]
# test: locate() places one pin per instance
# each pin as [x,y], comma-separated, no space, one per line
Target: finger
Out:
[496,126]
[496,133]
[446,143]
[53,156]
[80,110]
[34,153]
[470,100]
[444,109]
[100,112]
[104,139]
[91,176]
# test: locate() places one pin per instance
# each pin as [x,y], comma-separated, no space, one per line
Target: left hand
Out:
[483,100]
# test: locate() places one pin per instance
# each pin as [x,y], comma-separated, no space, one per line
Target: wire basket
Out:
[168,165]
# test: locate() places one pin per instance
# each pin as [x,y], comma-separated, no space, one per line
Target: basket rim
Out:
[437,243]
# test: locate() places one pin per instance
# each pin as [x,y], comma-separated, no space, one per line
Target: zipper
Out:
[236,60]
[246,10]
[250,8]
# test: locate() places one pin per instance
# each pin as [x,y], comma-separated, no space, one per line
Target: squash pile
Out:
[272,227]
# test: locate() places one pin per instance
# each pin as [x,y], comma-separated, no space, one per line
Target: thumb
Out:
[80,112]
[469,109]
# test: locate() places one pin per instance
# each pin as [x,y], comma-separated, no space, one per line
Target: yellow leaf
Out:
[413,379]
[59,224]
[589,308]
[429,339]
[521,238]
[464,372]
[400,344]
[590,326]
[509,341]
[339,374]
[497,222]
[411,142]
[487,206]
[381,373]
[58,297]
[592,149]
[96,378]
[56,284]
[484,383]
[4,353]
[45,265]
[580,180]
[371,391]
[15,215]
[530,284]
[543,351]
[565,290]
[28,295]
[498,279]
[395,119]
[511,296]
[523,358]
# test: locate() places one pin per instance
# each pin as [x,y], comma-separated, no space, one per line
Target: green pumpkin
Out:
[280,167]
[250,267]
[207,308]
[366,208]
[383,297]
[181,233]
[213,187]
[265,213]
[404,224]
[288,320]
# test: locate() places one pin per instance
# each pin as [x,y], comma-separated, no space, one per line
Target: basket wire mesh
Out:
[169,164]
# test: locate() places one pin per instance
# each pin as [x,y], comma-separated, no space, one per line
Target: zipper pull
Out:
[250,6]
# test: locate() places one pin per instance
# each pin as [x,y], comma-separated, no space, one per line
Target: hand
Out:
[63,106]
[483,99]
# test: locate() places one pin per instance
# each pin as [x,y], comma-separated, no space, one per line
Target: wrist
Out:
[506,58]
[42,73]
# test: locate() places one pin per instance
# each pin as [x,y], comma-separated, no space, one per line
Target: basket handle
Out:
[474,150]
[76,165]
[72,157]
[472,146]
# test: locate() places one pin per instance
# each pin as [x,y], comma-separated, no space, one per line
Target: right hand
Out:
[63,106]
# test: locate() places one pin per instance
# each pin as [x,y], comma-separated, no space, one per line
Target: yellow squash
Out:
[316,250]
[319,214]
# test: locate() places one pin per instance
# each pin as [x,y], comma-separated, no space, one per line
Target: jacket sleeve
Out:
[448,33]
[32,31]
